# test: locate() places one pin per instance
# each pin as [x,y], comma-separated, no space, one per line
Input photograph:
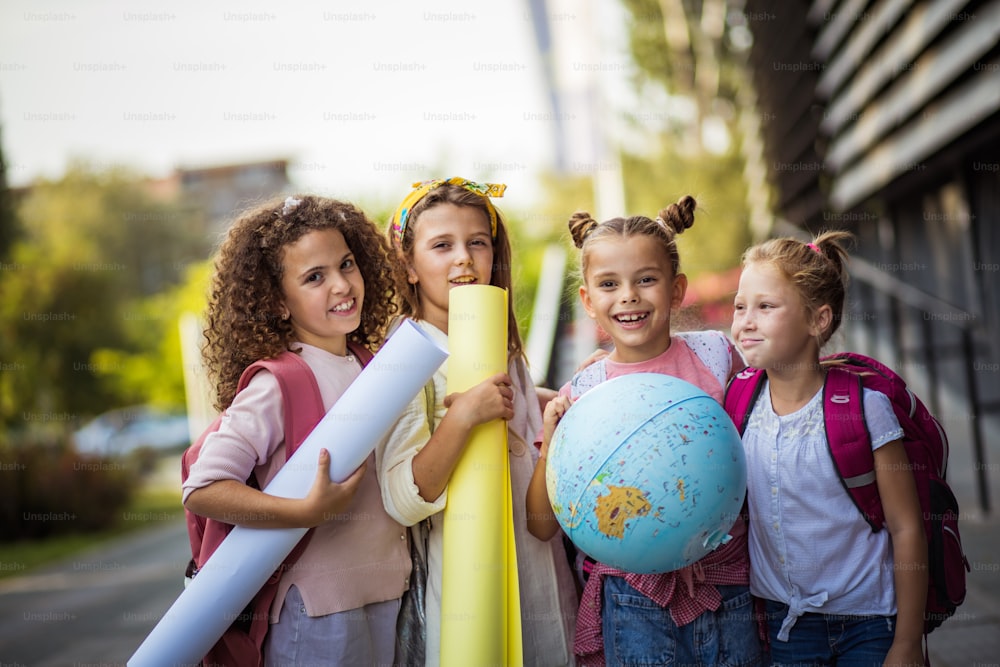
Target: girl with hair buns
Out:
[834,591]
[701,614]
[304,277]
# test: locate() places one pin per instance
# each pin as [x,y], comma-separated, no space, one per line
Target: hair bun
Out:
[679,216]
[580,224]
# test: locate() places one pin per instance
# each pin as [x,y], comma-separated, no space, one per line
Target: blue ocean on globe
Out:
[646,473]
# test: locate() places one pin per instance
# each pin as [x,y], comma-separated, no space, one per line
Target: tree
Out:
[720,233]
[94,244]
[150,367]
[693,49]
[9,228]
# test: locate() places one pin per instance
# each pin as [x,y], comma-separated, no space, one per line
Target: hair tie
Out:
[290,204]
[663,223]
[814,247]
[397,227]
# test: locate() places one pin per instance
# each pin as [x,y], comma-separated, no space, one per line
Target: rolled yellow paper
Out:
[480,603]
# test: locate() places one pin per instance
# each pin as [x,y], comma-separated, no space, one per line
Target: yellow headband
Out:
[397,226]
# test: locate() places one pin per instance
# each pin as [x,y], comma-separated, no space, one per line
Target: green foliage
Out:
[567,194]
[151,368]
[670,168]
[651,182]
[531,231]
[720,233]
[673,66]
[95,245]
[9,228]
[647,43]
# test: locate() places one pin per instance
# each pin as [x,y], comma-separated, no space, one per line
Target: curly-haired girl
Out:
[303,276]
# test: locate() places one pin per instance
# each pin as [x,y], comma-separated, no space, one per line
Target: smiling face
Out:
[630,289]
[452,246]
[323,289]
[771,324]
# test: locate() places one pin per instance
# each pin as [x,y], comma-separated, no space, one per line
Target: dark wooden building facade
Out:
[883,118]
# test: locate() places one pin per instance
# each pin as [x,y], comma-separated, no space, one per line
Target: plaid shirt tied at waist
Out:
[688,592]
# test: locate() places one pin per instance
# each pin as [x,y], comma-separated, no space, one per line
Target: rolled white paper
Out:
[248,556]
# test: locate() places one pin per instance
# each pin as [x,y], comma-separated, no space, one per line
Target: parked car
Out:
[125,430]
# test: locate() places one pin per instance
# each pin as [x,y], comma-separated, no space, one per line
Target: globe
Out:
[646,473]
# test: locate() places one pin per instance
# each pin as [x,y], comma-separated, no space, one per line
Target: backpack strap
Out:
[713,350]
[363,354]
[300,396]
[302,406]
[847,434]
[301,401]
[850,443]
[741,395]
[303,409]
[588,378]
[430,405]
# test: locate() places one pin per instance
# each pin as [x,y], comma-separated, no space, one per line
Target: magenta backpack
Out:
[850,447]
[302,405]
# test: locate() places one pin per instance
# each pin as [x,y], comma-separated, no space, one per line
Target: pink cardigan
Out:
[357,558]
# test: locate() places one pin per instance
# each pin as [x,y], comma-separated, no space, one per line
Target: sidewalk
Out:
[971,638]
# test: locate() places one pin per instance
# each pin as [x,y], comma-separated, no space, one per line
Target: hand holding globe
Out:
[646,473]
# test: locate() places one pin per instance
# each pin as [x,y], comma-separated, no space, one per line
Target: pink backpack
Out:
[850,447]
[242,643]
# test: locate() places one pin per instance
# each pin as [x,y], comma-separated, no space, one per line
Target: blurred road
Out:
[97,607]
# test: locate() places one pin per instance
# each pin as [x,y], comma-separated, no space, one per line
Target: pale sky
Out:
[365,97]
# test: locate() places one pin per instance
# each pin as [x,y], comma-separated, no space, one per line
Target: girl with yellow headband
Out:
[447,233]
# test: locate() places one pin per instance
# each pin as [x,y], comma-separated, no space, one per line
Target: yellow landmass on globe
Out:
[620,504]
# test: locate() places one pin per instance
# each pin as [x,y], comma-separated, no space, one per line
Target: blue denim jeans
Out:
[829,639]
[637,631]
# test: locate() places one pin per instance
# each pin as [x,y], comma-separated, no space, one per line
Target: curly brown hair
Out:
[500,276]
[244,322]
